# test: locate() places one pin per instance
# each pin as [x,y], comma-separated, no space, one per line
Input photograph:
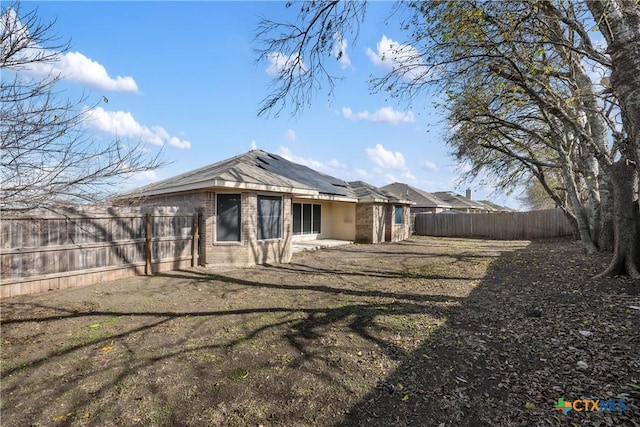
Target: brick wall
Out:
[398,232]
[375,223]
[371,222]
[249,251]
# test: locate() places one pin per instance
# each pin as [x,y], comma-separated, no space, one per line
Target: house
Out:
[442,201]
[382,216]
[256,205]
[497,208]
[461,203]
[423,202]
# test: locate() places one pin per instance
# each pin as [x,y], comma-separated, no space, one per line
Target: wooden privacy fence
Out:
[45,251]
[500,226]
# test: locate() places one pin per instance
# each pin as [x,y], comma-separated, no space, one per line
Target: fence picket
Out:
[44,250]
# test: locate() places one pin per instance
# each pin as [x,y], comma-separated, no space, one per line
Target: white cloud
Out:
[394,56]
[383,115]
[336,164]
[122,123]
[387,163]
[385,158]
[279,63]
[147,176]
[290,135]
[339,50]
[70,65]
[254,145]
[426,164]
[408,175]
[76,67]
[390,178]
[363,174]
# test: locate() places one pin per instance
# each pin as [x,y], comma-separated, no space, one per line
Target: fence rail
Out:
[500,226]
[45,251]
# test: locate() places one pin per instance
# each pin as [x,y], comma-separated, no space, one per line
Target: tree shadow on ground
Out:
[94,349]
[533,331]
[268,346]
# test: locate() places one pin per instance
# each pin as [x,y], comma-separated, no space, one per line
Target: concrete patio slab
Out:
[311,245]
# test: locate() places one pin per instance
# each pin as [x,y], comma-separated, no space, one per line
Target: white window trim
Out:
[302,233]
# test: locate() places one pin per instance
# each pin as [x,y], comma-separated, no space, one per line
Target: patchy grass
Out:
[424,332]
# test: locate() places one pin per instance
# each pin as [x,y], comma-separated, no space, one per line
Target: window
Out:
[315,226]
[306,218]
[229,208]
[398,214]
[297,218]
[269,217]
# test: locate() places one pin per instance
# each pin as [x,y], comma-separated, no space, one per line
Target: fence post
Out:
[148,244]
[194,241]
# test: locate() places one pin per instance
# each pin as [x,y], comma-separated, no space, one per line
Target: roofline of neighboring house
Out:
[432,200]
[462,202]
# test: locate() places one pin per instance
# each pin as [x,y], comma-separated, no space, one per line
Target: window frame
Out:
[398,219]
[217,240]
[259,217]
[314,226]
[297,222]
[313,218]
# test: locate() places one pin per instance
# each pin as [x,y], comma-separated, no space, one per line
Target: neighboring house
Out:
[382,216]
[496,207]
[442,201]
[461,203]
[255,205]
[423,202]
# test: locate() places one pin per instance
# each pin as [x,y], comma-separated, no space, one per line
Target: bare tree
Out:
[298,50]
[47,159]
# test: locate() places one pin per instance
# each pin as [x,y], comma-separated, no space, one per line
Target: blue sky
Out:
[182,76]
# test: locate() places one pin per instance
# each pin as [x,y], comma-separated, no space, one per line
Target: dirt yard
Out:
[427,332]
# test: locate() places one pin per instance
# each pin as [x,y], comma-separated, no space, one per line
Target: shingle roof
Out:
[497,207]
[324,183]
[422,199]
[368,192]
[457,201]
[245,170]
[258,169]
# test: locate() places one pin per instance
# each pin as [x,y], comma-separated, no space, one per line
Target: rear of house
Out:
[254,206]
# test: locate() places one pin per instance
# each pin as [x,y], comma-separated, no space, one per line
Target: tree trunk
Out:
[626,258]
[577,206]
[606,240]
[619,22]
